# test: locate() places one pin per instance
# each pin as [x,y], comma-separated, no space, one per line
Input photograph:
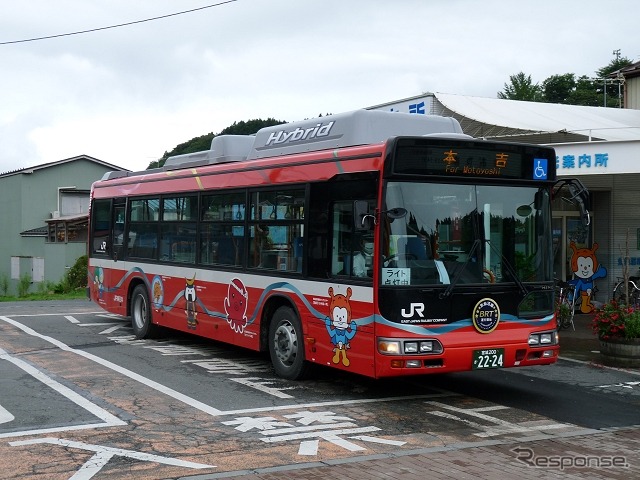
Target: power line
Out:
[118,25]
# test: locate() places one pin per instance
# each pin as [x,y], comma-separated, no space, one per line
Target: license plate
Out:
[489,358]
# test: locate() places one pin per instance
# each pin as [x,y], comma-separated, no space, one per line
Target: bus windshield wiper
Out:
[510,269]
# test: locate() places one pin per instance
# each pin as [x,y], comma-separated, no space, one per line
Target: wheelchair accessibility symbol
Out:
[540,169]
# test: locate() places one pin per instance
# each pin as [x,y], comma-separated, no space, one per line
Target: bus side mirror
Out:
[578,195]
[363,220]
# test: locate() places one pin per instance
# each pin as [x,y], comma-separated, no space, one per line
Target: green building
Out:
[44,218]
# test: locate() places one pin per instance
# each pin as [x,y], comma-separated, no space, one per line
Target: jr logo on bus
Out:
[414,309]
[486,315]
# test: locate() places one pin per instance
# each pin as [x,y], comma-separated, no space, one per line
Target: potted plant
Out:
[618,329]
[563,315]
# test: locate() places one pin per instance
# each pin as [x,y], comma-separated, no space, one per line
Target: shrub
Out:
[4,285]
[46,287]
[23,285]
[76,277]
[632,326]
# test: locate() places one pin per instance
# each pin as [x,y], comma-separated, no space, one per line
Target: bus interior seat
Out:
[226,251]
[144,245]
[414,247]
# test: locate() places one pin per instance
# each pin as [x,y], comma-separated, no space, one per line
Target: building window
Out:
[68,231]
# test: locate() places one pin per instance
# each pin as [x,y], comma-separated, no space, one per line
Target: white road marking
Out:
[113,326]
[499,427]
[104,454]
[628,385]
[5,415]
[359,401]
[384,441]
[72,319]
[53,314]
[111,329]
[97,324]
[108,419]
[117,368]
[313,426]
[308,447]
[331,435]
[261,385]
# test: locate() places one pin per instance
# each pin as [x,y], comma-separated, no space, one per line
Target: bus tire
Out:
[286,345]
[141,313]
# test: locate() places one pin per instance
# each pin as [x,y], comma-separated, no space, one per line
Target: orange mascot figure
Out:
[585,267]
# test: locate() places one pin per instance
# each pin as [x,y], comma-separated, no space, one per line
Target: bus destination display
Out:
[460,160]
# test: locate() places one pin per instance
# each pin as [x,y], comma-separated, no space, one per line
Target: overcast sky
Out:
[126,95]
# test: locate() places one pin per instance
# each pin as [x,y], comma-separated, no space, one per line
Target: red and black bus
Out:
[383,243]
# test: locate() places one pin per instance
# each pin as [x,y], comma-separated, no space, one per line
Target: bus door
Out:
[106,267]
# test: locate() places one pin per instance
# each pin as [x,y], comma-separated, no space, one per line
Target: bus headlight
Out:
[546,339]
[543,338]
[400,346]
[410,347]
[389,347]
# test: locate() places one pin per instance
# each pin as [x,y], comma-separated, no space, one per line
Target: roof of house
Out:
[28,170]
[630,71]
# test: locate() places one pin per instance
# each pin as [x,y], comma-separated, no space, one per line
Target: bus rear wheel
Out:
[286,346]
[141,313]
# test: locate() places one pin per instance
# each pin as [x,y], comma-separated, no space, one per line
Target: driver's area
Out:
[411,256]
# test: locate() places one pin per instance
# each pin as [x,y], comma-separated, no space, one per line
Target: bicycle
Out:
[565,300]
[633,290]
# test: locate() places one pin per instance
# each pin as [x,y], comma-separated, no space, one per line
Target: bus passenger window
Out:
[352,251]
[100,225]
[177,243]
[362,259]
[276,232]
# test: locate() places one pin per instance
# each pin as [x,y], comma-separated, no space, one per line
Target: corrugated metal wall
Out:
[616,208]
[632,93]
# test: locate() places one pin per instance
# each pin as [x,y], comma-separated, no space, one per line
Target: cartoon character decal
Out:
[235,305]
[98,281]
[190,299]
[157,292]
[340,326]
[585,267]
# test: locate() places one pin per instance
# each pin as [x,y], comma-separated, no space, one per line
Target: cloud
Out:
[127,95]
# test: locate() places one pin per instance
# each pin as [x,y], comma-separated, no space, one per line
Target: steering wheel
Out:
[406,256]
[489,275]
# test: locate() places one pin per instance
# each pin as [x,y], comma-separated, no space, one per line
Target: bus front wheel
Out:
[286,346]
[141,313]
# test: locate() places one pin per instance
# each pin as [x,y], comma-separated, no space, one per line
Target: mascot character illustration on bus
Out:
[235,305]
[338,326]
[190,298]
[585,267]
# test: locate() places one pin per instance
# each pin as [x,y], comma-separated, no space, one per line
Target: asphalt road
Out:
[81,398]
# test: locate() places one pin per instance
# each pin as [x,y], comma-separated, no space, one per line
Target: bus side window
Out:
[118,231]
[100,226]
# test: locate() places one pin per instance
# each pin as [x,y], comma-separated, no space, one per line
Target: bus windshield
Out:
[456,234]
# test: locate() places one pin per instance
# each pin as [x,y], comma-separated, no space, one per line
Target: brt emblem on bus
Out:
[486,315]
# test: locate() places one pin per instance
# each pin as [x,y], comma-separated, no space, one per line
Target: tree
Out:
[559,88]
[203,142]
[603,90]
[521,88]
[609,86]
[585,93]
